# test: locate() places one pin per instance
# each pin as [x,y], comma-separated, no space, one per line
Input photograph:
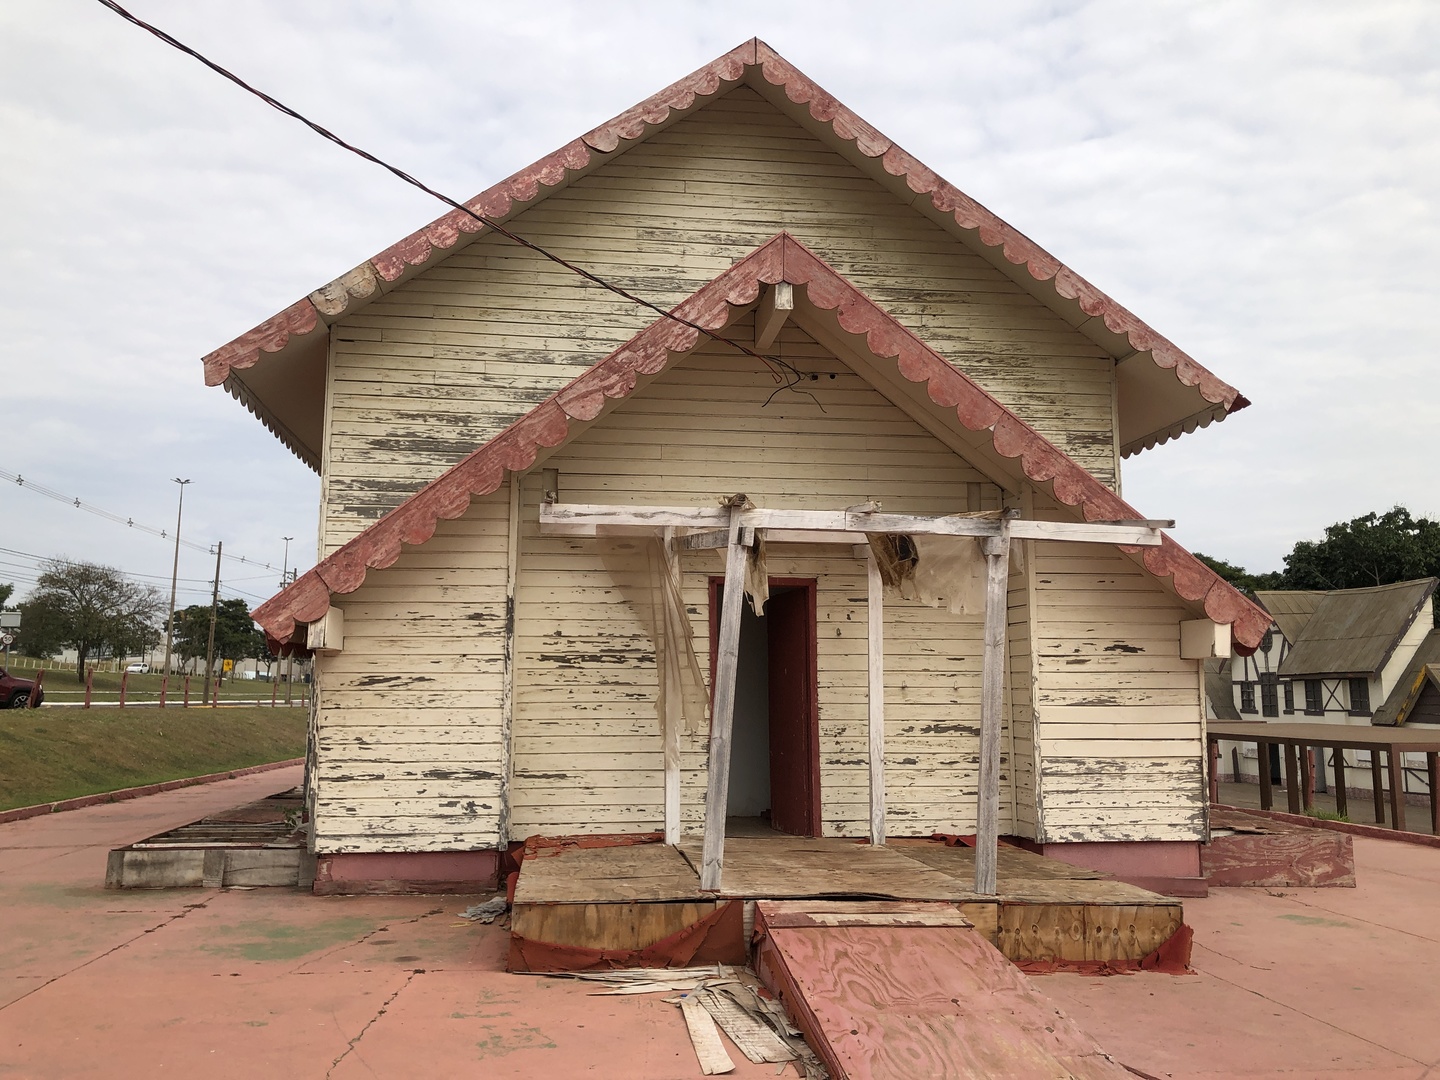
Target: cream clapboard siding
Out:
[425,374]
[1020,658]
[411,745]
[1119,712]
[587,749]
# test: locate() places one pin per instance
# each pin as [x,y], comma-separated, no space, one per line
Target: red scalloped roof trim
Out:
[634,123]
[648,353]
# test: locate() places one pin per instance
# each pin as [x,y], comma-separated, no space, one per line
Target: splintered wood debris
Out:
[718,995]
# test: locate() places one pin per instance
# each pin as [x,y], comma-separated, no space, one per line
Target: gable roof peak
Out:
[1160,400]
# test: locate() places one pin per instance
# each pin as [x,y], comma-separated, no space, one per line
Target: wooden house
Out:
[1344,656]
[529,511]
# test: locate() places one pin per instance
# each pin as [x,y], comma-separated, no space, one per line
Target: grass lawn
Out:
[52,754]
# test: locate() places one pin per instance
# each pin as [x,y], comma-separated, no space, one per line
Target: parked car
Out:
[137,669]
[15,693]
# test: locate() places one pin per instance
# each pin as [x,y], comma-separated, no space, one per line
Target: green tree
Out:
[1376,549]
[7,590]
[91,609]
[236,636]
[1241,578]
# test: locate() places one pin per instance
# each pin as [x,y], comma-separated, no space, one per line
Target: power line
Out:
[793,375]
[29,575]
[128,522]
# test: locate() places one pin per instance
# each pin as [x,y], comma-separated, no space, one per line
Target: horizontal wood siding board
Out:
[1118,715]
[410,743]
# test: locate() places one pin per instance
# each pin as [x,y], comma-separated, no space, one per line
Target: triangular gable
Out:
[1162,406]
[653,349]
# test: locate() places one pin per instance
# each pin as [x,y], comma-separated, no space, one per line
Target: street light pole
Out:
[174,577]
[284,581]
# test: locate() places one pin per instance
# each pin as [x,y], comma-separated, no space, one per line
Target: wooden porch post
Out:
[674,712]
[997,581]
[875,607]
[723,712]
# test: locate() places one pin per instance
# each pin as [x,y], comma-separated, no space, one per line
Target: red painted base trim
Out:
[392,873]
[22,812]
[1168,867]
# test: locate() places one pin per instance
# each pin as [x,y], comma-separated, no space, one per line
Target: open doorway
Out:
[775,741]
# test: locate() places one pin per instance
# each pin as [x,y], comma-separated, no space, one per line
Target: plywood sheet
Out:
[803,867]
[907,1002]
[580,875]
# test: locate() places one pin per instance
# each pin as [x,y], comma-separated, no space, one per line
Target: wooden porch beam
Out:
[585,519]
[722,716]
[771,314]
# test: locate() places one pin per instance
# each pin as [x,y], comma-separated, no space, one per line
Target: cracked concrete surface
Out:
[1294,983]
[1320,983]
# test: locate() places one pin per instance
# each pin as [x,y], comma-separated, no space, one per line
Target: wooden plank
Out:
[705,1038]
[781,913]
[1432,773]
[875,645]
[1377,785]
[632,873]
[997,568]
[1292,777]
[888,1002]
[723,709]
[557,517]
[674,718]
[619,926]
[1042,931]
[1129,932]
[1397,787]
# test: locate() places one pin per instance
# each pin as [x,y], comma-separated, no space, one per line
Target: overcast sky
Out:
[1259,182]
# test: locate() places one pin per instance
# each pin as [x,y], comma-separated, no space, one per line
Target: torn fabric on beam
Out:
[646,570]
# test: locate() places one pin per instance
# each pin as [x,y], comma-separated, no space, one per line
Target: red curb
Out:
[22,812]
[1374,832]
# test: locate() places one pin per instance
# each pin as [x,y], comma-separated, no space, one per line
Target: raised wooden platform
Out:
[253,845]
[618,900]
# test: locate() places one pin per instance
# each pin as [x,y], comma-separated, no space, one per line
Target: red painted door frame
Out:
[807,778]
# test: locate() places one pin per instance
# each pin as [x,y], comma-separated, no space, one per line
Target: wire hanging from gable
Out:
[792,376]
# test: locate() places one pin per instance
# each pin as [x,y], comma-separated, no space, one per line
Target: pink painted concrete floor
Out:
[238,983]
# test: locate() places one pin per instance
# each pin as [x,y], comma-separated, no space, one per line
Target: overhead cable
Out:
[793,376]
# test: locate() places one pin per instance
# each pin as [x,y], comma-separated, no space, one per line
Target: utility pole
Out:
[174,577]
[285,579]
[214,609]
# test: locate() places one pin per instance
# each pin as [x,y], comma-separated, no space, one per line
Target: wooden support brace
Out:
[674,712]
[772,312]
[723,712]
[875,650]
[997,575]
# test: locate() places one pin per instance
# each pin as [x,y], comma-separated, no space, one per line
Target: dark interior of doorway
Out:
[775,744]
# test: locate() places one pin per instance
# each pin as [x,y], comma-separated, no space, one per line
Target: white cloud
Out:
[1259,182]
